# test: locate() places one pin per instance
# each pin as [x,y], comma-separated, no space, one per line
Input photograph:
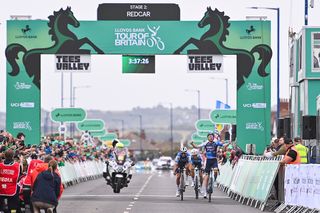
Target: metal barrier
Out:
[251,180]
[73,173]
[302,189]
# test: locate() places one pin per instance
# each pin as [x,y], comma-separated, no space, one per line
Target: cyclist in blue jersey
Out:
[196,162]
[210,147]
[182,161]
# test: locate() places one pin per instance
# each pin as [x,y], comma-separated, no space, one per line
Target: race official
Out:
[302,150]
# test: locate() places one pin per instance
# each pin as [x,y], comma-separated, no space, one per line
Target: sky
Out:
[111,90]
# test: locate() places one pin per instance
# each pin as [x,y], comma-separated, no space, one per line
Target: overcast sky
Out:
[112,90]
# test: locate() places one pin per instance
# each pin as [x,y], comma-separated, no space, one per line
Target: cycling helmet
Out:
[194,152]
[119,145]
[114,142]
[184,149]
[210,133]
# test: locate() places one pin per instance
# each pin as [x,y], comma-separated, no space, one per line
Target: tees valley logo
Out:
[63,39]
[213,42]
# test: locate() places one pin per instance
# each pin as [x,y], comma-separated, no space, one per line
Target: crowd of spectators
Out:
[18,158]
[68,150]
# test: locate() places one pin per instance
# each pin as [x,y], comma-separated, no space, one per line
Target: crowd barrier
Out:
[73,173]
[302,188]
[251,179]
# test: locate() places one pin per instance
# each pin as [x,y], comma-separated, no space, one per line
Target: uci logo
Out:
[15,105]
[247,105]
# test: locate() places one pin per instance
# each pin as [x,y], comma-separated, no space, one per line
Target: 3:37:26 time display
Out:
[138,60]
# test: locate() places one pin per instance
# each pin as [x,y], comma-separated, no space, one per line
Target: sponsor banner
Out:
[255,105]
[22,105]
[22,86]
[145,12]
[197,138]
[249,40]
[203,133]
[73,63]
[22,126]
[254,86]
[98,133]
[205,63]
[68,115]
[109,137]
[221,116]
[256,126]
[91,125]
[204,124]
[138,64]
[126,142]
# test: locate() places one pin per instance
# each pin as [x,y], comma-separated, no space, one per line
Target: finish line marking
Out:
[113,196]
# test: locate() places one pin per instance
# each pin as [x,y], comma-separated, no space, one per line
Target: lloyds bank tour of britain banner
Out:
[214,34]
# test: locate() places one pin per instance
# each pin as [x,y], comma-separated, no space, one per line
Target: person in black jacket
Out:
[46,189]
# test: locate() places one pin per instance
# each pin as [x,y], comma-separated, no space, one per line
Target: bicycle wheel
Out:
[196,187]
[210,187]
[181,186]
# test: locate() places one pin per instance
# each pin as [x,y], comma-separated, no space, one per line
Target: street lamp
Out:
[171,127]
[278,54]
[227,86]
[73,96]
[198,91]
[140,125]
[122,126]
[73,103]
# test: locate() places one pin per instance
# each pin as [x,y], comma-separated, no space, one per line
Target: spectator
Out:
[27,180]
[46,189]
[279,148]
[9,190]
[292,156]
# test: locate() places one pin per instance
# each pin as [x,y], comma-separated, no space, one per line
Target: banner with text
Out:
[55,36]
[205,63]
[73,63]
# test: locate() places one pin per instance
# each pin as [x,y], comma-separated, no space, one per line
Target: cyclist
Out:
[196,162]
[210,148]
[182,161]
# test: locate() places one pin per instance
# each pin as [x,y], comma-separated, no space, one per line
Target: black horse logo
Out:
[211,42]
[65,42]
[250,30]
[26,29]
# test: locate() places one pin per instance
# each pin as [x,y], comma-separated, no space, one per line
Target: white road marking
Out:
[128,208]
[144,186]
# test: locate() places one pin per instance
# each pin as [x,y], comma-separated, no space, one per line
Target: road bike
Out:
[197,181]
[182,186]
[210,184]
